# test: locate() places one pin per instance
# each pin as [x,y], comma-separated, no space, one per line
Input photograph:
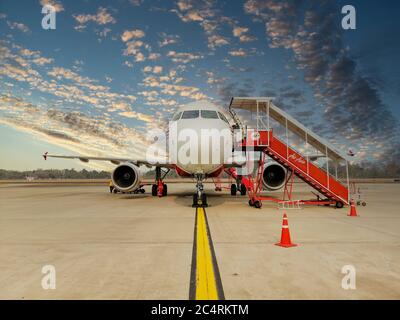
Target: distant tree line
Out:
[366,170]
[53,174]
[375,170]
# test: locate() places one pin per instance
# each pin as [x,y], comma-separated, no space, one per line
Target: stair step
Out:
[304,176]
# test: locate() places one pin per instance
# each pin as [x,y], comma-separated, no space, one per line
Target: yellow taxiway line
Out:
[205,279]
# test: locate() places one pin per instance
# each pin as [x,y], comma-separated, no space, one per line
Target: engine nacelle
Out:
[126,177]
[273,177]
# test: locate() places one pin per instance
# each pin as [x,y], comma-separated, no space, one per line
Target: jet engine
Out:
[273,177]
[126,177]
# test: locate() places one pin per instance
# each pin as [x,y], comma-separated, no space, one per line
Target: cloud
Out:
[167,39]
[139,57]
[132,34]
[238,53]
[238,31]
[59,72]
[102,17]
[154,56]
[29,53]
[217,41]
[241,33]
[170,85]
[132,47]
[42,61]
[352,105]
[19,26]
[204,13]
[135,47]
[56,4]
[92,131]
[233,89]
[212,79]
[128,64]
[184,5]
[75,131]
[119,106]
[67,85]
[183,57]
[155,69]
[247,38]
[137,115]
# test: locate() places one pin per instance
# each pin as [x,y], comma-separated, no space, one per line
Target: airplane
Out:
[198,119]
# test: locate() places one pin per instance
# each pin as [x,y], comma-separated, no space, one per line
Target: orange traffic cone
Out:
[353,212]
[285,235]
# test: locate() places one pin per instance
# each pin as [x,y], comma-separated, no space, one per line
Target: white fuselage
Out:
[200,139]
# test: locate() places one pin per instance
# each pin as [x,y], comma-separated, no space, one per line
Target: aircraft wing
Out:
[138,162]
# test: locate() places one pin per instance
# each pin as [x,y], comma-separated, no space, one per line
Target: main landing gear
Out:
[238,186]
[199,198]
[140,190]
[159,189]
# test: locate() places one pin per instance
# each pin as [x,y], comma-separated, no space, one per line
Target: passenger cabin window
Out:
[190,114]
[209,114]
[177,116]
[223,118]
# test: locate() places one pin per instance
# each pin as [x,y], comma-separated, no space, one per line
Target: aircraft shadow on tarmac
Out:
[185,199]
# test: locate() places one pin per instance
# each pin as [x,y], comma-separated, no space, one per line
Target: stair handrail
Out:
[307,174]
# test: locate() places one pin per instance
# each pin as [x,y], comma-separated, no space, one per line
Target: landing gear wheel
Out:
[339,205]
[243,190]
[165,190]
[257,204]
[142,190]
[204,200]
[199,202]
[251,203]
[154,190]
[233,189]
[195,200]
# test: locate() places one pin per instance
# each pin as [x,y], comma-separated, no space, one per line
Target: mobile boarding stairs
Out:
[263,138]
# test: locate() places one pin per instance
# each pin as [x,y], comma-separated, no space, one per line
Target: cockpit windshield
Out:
[209,114]
[190,114]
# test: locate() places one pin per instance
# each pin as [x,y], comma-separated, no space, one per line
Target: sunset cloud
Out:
[102,17]
[238,53]
[183,57]
[56,4]
[132,34]
[140,62]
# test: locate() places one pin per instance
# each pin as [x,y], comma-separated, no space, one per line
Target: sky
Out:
[113,70]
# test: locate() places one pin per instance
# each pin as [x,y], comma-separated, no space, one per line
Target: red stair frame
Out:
[292,160]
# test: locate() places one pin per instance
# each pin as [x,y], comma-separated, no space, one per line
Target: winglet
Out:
[45,155]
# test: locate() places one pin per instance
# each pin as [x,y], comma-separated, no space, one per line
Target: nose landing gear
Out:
[199,198]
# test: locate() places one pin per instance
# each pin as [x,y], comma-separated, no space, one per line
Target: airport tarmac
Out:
[116,246]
